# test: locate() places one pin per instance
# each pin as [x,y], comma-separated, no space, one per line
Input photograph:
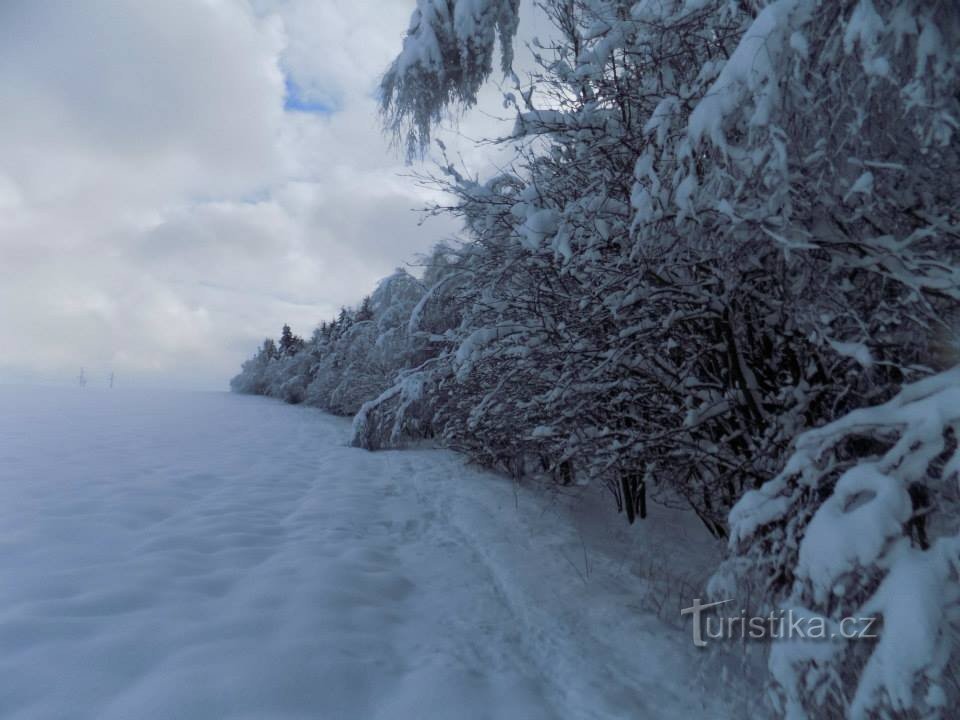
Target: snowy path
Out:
[214,556]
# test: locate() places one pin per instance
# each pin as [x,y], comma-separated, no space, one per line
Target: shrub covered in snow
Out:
[714,237]
[863,522]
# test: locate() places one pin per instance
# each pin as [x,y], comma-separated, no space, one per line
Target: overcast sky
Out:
[178,178]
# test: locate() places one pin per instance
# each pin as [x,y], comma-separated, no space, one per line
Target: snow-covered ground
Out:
[219,556]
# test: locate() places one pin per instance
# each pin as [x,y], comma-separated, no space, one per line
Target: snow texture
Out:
[226,556]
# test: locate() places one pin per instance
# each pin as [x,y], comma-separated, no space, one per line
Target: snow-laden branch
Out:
[447,55]
[849,530]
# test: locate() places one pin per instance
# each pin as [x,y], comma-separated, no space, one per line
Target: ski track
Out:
[213,556]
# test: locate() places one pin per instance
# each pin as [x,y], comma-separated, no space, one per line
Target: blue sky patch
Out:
[295,100]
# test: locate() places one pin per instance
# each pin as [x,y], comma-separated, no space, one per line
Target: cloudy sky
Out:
[178,178]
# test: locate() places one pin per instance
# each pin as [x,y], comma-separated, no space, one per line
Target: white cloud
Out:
[160,212]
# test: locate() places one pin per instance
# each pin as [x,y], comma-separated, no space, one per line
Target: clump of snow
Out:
[852,528]
[539,225]
[858,351]
[864,30]
[863,185]
[913,600]
[749,79]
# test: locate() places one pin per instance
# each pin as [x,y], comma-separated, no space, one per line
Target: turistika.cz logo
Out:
[778,625]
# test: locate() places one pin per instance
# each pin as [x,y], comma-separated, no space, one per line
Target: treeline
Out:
[346,361]
[724,266]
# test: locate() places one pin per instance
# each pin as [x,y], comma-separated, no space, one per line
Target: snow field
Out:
[223,556]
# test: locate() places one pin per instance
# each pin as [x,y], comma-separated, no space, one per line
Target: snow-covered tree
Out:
[447,55]
[290,344]
[863,522]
